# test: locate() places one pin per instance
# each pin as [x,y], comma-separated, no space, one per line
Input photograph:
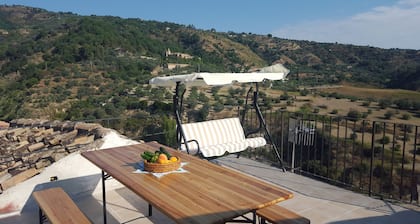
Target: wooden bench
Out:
[58,207]
[216,137]
[279,215]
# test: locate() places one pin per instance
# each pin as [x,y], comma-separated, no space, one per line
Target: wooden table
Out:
[207,193]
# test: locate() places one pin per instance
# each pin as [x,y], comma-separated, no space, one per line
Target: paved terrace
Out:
[318,201]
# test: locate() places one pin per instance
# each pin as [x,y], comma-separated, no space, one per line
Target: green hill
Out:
[66,66]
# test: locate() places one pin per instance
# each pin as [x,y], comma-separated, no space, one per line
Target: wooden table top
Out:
[207,193]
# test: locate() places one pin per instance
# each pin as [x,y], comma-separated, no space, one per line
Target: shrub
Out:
[385,140]
[388,115]
[218,106]
[366,103]
[397,147]
[304,92]
[406,116]
[354,115]
[365,115]
[353,98]
[379,171]
[323,106]
[384,103]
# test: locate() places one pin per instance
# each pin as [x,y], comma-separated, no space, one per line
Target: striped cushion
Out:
[256,142]
[218,136]
[220,149]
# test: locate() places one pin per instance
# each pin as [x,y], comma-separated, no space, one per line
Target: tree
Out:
[403,104]
[169,129]
[406,116]
[388,114]
[354,115]
[218,106]
[304,92]
[203,112]
[385,140]
[384,103]
[203,98]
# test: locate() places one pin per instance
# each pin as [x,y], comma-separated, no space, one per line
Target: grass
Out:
[394,94]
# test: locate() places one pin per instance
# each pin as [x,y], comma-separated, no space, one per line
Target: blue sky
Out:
[379,23]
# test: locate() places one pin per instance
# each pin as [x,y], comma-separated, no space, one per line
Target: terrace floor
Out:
[318,201]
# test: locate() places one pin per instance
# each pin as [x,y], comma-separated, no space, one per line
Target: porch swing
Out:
[215,138]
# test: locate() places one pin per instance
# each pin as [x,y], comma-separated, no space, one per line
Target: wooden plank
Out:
[280,215]
[59,207]
[207,193]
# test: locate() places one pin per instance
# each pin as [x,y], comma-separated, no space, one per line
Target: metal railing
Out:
[374,157]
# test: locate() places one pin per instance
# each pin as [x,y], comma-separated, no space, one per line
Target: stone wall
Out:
[28,146]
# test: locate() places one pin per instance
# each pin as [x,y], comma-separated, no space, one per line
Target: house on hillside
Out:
[169,53]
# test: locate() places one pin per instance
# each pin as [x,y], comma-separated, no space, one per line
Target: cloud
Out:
[393,26]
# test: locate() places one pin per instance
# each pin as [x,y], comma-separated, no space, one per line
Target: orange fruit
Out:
[173,159]
[162,161]
[162,156]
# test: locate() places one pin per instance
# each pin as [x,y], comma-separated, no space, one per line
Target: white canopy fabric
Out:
[275,68]
[275,72]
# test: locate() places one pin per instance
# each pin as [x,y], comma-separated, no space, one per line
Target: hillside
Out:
[70,67]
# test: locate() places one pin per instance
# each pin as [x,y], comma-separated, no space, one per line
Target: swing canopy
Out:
[274,72]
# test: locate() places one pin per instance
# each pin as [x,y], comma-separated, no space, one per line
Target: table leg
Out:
[104,177]
[41,220]
[150,210]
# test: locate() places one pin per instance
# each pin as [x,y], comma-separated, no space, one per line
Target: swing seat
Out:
[216,137]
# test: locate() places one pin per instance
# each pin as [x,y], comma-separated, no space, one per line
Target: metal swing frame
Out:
[273,72]
[180,135]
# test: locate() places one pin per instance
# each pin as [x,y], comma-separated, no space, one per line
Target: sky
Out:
[376,23]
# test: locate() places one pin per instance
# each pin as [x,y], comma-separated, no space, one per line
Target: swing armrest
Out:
[196,142]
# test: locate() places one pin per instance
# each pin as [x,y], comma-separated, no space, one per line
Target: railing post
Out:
[345,151]
[402,161]
[362,154]
[329,148]
[353,137]
[372,149]
[382,160]
[414,193]
[393,153]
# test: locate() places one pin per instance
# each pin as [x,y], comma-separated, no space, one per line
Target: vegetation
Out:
[66,66]
[69,67]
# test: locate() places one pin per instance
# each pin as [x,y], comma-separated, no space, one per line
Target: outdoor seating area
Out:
[216,137]
[314,200]
[205,193]
[225,189]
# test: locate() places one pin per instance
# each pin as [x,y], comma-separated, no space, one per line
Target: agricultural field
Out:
[364,100]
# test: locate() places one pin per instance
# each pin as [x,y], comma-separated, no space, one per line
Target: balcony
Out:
[316,200]
[324,173]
